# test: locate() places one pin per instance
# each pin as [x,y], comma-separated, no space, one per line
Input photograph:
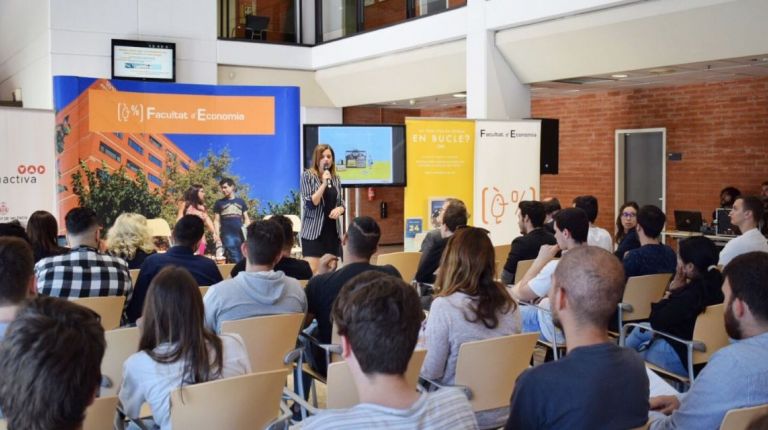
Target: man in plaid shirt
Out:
[83,272]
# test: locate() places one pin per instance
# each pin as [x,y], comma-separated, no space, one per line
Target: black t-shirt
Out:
[594,387]
[527,247]
[293,267]
[323,289]
[430,262]
[231,213]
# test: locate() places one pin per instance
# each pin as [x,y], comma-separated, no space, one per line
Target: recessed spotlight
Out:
[460,95]
[619,76]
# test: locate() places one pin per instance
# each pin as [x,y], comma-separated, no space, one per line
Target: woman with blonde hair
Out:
[469,305]
[129,239]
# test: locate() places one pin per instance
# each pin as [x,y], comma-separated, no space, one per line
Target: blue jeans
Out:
[655,350]
[231,240]
[537,320]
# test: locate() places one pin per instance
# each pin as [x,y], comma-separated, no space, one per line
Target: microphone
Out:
[328,181]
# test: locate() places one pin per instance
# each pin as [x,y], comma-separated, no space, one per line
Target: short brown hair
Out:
[50,364]
[381,316]
[754,205]
[594,282]
[455,214]
[17,265]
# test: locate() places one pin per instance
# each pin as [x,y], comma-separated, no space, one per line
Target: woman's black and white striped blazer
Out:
[312,216]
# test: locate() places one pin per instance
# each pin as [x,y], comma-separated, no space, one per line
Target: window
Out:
[133,167]
[170,156]
[184,165]
[155,160]
[136,147]
[111,153]
[118,135]
[156,142]
[154,179]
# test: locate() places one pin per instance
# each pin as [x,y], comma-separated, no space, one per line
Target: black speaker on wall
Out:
[550,145]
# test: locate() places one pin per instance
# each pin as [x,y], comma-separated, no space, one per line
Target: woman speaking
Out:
[323,205]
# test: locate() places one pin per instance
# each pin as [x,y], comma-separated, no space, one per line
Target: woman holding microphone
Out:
[323,205]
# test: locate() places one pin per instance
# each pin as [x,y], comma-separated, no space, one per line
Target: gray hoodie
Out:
[252,294]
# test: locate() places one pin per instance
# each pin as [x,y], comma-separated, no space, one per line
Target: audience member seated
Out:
[433,235]
[571,230]
[746,214]
[626,233]
[259,290]
[696,285]
[360,242]
[293,267]
[129,239]
[43,233]
[469,305]
[13,229]
[50,365]
[551,207]
[530,219]
[764,198]
[187,233]
[597,236]
[175,348]
[454,214]
[17,280]
[84,271]
[597,385]
[652,257]
[378,318]
[737,375]
[728,196]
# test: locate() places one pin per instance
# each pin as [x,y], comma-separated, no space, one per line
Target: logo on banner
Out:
[25,174]
[495,202]
[512,134]
[3,208]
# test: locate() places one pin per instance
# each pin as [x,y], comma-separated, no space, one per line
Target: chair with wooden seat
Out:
[121,343]
[100,414]
[134,276]
[109,308]
[487,369]
[741,419]
[244,402]
[522,267]
[501,252]
[405,262]
[267,338]
[639,293]
[342,392]
[204,291]
[225,270]
[709,336]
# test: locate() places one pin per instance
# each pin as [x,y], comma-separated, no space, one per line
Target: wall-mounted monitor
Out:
[143,60]
[366,155]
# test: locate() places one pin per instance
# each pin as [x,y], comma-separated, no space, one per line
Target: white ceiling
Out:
[680,74]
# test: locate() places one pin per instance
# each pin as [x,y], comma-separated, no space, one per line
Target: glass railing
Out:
[315,21]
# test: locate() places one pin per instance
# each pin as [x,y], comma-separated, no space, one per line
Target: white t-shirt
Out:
[446,408]
[542,282]
[146,380]
[599,237]
[750,241]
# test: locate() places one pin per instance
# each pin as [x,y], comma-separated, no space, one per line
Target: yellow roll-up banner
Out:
[440,164]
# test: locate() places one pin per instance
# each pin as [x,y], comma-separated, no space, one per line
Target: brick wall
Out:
[721,129]
[392,226]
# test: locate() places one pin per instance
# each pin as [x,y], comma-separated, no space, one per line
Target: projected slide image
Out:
[363,155]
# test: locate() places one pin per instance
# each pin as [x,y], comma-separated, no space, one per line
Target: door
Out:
[641,167]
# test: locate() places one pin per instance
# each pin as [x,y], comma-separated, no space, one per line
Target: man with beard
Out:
[737,375]
[598,385]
